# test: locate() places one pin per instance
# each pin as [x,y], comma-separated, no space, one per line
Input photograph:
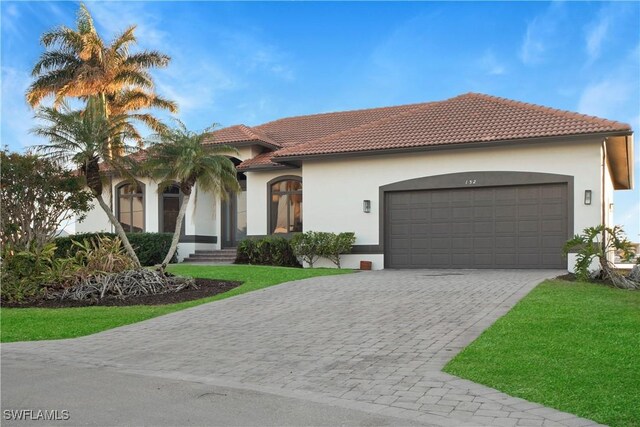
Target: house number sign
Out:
[471,182]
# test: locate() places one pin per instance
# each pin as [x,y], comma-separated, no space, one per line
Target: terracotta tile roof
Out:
[300,129]
[261,161]
[468,118]
[240,133]
[137,157]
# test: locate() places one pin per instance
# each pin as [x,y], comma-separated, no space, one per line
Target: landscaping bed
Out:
[204,288]
[39,323]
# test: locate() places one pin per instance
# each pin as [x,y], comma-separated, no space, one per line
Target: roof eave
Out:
[247,143]
[284,159]
[620,155]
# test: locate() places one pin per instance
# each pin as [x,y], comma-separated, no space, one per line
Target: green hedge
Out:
[151,248]
[275,251]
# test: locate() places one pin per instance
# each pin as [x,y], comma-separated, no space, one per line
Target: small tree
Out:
[307,246]
[38,196]
[85,138]
[598,242]
[335,245]
[178,156]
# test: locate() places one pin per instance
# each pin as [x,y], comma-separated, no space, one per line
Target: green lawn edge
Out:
[571,346]
[34,324]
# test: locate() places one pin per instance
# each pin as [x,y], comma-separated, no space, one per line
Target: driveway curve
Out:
[370,341]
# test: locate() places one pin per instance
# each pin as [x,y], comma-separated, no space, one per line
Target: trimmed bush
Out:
[276,251]
[336,245]
[311,245]
[308,246]
[151,248]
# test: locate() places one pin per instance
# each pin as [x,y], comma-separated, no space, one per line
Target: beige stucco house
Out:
[474,181]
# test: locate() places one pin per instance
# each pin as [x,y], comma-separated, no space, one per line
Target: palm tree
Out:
[83,138]
[78,64]
[178,156]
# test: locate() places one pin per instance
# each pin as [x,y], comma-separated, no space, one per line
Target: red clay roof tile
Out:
[466,118]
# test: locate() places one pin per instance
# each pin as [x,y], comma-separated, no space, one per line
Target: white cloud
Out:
[541,33]
[604,97]
[616,95]
[490,64]
[596,36]
[17,116]
[116,17]
[9,19]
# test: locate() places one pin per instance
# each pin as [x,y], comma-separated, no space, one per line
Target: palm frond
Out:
[147,59]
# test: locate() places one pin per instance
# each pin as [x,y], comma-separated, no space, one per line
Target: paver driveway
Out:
[373,341]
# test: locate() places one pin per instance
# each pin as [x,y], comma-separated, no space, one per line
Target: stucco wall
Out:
[333,191]
[200,217]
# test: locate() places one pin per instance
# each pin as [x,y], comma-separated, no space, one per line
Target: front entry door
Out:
[234,218]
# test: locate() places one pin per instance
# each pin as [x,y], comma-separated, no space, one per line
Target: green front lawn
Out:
[30,324]
[570,346]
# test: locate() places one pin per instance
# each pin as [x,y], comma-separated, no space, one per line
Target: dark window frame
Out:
[161,197]
[130,196]
[270,194]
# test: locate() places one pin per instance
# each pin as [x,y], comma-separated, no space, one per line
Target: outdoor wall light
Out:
[366,206]
[587,197]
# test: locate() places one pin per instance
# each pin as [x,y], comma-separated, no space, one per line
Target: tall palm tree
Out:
[178,156]
[78,64]
[82,137]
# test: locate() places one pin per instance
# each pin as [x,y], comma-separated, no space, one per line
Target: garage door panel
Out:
[420,214]
[420,244]
[483,212]
[490,227]
[440,243]
[505,227]
[552,225]
[461,244]
[528,226]
[506,211]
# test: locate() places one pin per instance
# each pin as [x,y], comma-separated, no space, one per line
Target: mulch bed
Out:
[206,288]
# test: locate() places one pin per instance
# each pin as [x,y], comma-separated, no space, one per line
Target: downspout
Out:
[603,172]
[602,197]
[111,198]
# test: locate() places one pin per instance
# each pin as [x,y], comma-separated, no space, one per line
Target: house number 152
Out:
[471,181]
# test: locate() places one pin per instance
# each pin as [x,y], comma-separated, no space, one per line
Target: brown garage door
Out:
[491,227]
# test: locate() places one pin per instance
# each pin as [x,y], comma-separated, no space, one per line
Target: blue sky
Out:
[253,62]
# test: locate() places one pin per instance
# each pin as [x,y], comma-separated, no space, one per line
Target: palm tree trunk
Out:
[178,230]
[119,231]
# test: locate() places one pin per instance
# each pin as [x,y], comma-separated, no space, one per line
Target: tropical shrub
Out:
[151,248]
[595,243]
[102,255]
[22,271]
[276,251]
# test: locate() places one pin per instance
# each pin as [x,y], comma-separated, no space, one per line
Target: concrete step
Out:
[222,256]
[207,261]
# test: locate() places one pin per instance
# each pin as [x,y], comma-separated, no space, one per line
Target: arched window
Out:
[130,207]
[169,208]
[285,205]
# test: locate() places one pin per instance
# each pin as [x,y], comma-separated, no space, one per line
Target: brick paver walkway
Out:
[373,341]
